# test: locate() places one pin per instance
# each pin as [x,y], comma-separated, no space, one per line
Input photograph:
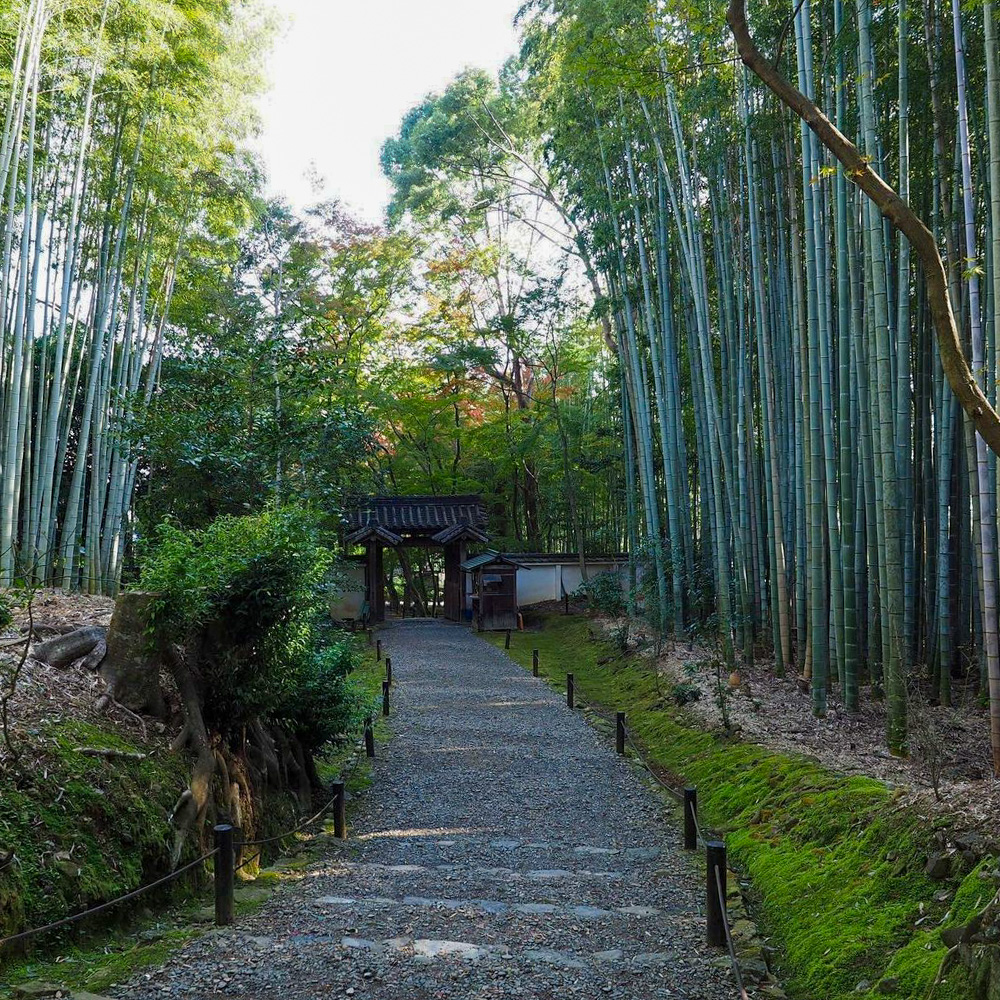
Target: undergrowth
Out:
[88,829]
[836,863]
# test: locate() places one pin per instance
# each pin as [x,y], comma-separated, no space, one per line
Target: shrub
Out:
[317,706]
[604,591]
[6,612]
[247,597]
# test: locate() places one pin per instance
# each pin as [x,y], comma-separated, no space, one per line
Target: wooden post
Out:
[715,907]
[565,604]
[620,732]
[385,697]
[570,694]
[506,640]
[388,670]
[378,650]
[534,663]
[340,810]
[369,738]
[369,631]
[225,874]
[690,816]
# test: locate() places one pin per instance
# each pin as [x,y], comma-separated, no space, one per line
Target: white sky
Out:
[343,74]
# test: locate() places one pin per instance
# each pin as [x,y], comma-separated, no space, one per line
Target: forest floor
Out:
[45,694]
[949,746]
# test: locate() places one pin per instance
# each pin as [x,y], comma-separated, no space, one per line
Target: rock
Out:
[972,840]
[863,987]
[251,894]
[888,985]
[754,969]
[84,995]
[203,915]
[772,992]
[38,988]
[939,865]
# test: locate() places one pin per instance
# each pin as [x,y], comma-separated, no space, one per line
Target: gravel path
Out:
[504,851]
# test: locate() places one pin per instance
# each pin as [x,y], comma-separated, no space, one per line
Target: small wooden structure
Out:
[494,590]
[451,522]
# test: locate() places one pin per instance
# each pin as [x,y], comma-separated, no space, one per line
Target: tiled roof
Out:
[490,558]
[418,514]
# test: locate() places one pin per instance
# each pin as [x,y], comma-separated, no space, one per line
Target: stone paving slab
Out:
[503,851]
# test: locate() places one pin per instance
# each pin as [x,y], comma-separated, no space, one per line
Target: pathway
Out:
[504,851]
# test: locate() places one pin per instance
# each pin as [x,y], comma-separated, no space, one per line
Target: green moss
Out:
[837,867]
[84,829]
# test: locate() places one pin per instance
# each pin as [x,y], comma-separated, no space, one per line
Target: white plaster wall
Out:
[550,581]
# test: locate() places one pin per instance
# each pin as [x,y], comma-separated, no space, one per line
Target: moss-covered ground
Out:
[837,863]
[88,829]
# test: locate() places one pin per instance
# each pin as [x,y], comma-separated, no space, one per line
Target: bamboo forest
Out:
[646,351]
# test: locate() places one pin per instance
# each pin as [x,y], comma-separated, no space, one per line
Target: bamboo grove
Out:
[118,127]
[800,467]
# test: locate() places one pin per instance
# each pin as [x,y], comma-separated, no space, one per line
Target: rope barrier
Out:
[697,825]
[249,861]
[701,838]
[288,833]
[101,907]
[642,760]
[729,938]
[111,902]
[689,807]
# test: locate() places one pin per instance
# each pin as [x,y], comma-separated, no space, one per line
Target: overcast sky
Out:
[344,72]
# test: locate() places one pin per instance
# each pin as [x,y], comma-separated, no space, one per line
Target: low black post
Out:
[225,874]
[385,697]
[506,640]
[534,663]
[565,604]
[369,738]
[570,694]
[715,908]
[388,670]
[620,732]
[340,810]
[378,650]
[369,632]
[690,817]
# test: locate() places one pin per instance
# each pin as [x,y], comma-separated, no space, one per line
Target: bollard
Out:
[378,650]
[369,632]
[690,815]
[385,697]
[570,694]
[225,874]
[369,738]
[565,604]
[715,911]
[388,670]
[620,732]
[534,663]
[506,640]
[340,810]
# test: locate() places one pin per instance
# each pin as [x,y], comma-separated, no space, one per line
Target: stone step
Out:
[494,907]
[427,950]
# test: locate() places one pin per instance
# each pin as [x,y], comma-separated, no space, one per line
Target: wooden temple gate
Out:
[448,522]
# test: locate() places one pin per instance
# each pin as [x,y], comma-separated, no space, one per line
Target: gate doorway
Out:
[400,523]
